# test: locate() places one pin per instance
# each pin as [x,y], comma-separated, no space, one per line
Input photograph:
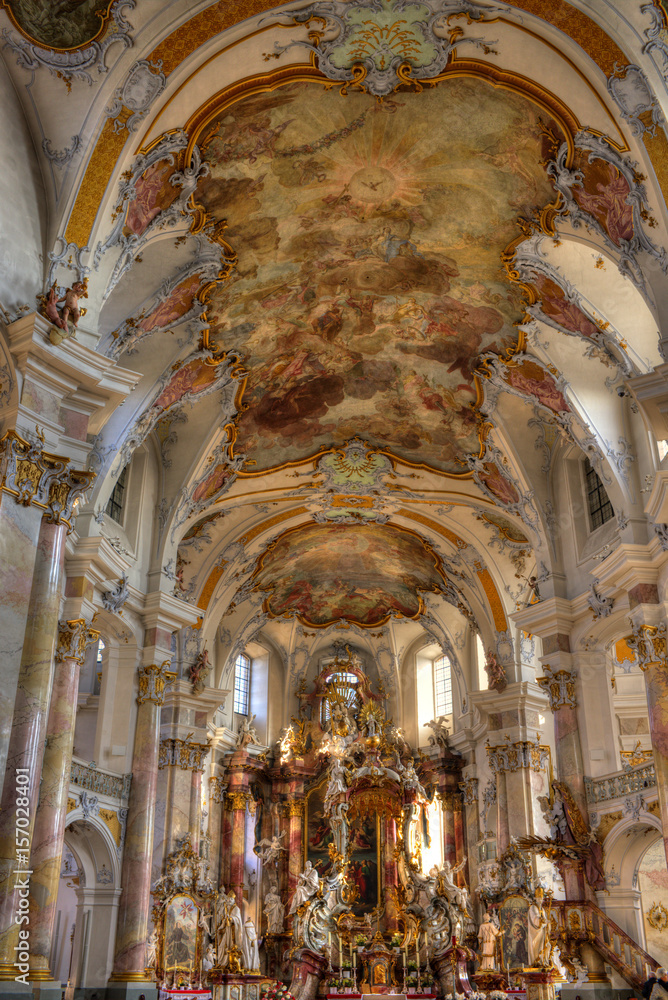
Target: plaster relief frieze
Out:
[61,157]
[144,83]
[655,34]
[516,756]
[76,63]
[633,96]
[377,45]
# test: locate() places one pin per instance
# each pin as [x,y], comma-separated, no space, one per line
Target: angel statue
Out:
[269,848]
[65,318]
[247,734]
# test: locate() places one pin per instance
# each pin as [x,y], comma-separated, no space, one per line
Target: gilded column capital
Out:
[469,789]
[295,807]
[559,685]
[237,800]
[74,636]
[153,680]
[649,644]
[516,756]
[217,787]
[182,753]
[38,478]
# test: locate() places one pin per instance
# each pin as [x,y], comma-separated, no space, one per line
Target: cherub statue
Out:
[497,679]
[66,318]
[439,730]
[269,848]
[247,734]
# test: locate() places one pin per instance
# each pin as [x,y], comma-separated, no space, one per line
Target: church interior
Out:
[334,506]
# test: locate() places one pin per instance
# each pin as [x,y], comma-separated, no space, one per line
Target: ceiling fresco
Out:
[368,279]
[363,573]
[59,24]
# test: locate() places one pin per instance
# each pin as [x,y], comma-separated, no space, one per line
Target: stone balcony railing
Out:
[620,784]
[95,779]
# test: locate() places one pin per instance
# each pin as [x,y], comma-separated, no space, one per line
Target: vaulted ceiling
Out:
[373,266]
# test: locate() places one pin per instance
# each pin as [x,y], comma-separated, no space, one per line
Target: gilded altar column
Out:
[47,845]
[135,902]
[20,793]
[237,803]
[389,827]
[295,812]
[651,645]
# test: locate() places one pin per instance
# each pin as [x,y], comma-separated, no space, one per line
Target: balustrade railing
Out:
[615,786]
[94,779]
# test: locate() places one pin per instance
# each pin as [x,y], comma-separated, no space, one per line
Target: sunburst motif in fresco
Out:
[369,279]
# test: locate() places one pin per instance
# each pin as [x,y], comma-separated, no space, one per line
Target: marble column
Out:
[389,828]
[502,822]
[559,686]
[184,762]
[448,809]
[47,845]
[651,645]
[215,801]
[295,845]
[26,743]
[237,803]
[469,789]
[135,902]
[32,482]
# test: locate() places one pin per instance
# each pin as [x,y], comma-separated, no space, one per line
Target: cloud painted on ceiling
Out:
[362,573]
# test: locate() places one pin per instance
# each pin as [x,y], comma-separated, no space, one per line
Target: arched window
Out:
[242,678]
[442,686]
[116,502]
[598,501]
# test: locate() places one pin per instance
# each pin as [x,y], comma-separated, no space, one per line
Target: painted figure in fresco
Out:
[487,935]
[249,947]
[274,911]
[539,944]
[307,886]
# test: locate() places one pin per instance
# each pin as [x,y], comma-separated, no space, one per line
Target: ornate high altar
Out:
[362,873]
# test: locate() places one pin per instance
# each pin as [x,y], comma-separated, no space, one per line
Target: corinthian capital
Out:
[559,686]
[153,680]
[34,476]
[649,644]
[74,636]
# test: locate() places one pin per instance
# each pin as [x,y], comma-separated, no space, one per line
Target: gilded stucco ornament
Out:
[469,790]
[184,754]
[36,477]
[74,637]
[516,756]
[649,644]
[559,686]
[379,45]
[153,680]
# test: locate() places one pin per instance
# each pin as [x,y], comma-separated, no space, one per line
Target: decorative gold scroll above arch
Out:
[361,573]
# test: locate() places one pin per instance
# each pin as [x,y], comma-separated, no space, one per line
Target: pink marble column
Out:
[47,844]
[135,902]
[502,820]
[469,789]
[295,843]
[195,807]
[559,685]
[651,645]
[389,828]
[26,743]
[449,845]
[237,803]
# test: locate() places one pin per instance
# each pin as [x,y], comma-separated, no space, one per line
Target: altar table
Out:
[184,994]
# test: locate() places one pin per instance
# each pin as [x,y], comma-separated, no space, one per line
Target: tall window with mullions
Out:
[442,686]
[598,501]
[242,672]
[116,501]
